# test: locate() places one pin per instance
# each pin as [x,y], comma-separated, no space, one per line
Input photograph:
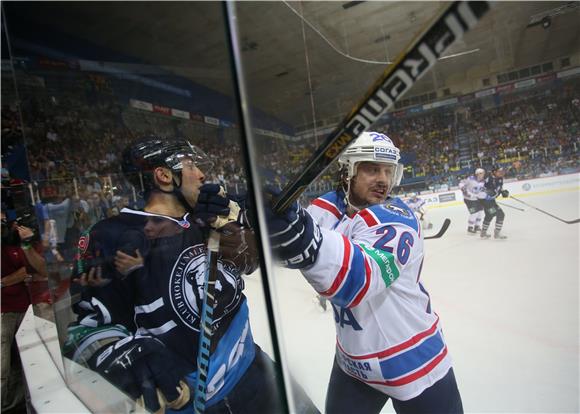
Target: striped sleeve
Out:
[350,269]
[342,272]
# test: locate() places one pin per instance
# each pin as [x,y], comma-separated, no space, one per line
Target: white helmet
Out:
[373,147]
[479,171]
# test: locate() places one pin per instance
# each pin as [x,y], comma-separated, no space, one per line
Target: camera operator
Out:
[21,264]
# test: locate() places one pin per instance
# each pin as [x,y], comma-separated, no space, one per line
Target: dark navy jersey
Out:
[112,301]
[493,186]
[97,246]
[163,298]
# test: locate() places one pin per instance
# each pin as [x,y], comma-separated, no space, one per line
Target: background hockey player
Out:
[417,204]
[363,250]
[493,189]
[473,190]
[138,326]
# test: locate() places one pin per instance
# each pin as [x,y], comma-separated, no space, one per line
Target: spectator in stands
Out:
[21,263]
[59,209]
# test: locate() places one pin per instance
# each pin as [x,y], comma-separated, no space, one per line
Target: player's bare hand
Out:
[24,275]
[25,233]
[125,263]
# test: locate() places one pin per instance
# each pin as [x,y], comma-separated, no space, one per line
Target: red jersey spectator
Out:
[20,263]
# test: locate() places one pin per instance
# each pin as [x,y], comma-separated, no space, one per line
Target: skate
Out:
[484,235]
[477,229]
[471,231]
[497,235]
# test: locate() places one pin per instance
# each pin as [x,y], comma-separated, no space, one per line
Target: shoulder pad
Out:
[332,201]
[393,211]
[336,198]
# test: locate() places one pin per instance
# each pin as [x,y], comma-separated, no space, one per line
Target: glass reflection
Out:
[124,228]
[93,78]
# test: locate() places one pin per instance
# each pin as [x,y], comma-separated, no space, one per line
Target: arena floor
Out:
[510,311]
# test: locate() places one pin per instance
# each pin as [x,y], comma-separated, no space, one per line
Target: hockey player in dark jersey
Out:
[140,278]
[494,188]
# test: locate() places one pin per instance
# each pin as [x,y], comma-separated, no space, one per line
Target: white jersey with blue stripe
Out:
[472,188]
[369,267]
[416,203]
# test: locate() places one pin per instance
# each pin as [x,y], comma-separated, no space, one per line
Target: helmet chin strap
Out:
[180,196]
[176,191]
[350,173]
[347,201]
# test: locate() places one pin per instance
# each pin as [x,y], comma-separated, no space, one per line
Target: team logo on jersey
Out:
[184,223]
[83,243]
[397,210]
[186,286]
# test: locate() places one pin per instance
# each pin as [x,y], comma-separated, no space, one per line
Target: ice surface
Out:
[509,311]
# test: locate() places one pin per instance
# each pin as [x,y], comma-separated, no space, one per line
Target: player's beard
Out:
[374,195]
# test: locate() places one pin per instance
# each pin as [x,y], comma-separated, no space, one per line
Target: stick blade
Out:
[441,231]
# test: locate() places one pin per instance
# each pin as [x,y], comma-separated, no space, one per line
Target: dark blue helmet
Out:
[144,155]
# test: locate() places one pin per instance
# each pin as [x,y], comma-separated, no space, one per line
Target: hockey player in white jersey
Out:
[363,250]
[417,204]
[473,189]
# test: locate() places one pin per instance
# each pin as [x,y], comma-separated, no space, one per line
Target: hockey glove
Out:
[238,246]
[505,193]
[294,236]
[211,203]
[215,209]
[143,367]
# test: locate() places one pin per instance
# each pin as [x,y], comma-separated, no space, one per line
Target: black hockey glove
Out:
[215,208]
[505,193]
[142,366]
[211,203]
[294,235]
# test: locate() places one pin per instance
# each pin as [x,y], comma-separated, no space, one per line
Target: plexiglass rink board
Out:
[82,82]
[91,77]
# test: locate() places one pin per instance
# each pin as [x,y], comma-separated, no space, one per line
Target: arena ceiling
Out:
[325,54]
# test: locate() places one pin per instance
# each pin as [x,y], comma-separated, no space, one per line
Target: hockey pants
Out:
[347,395]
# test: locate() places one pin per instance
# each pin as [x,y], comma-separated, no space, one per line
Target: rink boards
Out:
[522,188]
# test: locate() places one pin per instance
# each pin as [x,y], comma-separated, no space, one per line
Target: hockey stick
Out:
[507,205]
[396,80]
[205,324]
[441,231]
[545,212]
